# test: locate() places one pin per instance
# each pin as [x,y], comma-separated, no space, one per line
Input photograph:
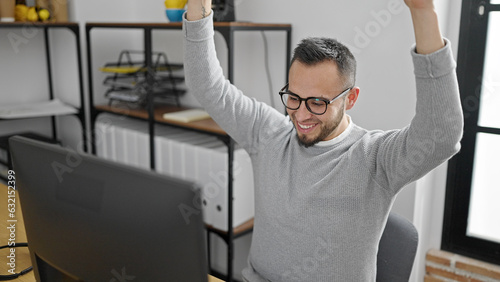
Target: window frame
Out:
[470,64]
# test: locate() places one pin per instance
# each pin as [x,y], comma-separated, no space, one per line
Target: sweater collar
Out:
[339,138]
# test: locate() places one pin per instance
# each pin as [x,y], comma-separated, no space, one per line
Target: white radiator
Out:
[185,154]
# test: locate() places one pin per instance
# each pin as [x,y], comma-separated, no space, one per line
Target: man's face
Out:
[319,80]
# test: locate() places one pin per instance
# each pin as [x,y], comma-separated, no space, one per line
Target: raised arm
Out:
[245,119]
[436,129]
[198,9]
[425,24]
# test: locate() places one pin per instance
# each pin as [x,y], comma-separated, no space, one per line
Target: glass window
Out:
[489,115]
[484,212]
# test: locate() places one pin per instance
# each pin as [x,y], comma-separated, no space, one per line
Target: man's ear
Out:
[352,97]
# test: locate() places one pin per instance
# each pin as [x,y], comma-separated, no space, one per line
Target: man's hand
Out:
[419,4]
[425,24]
[198,9]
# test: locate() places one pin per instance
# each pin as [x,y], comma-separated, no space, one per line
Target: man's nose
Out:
[302,113]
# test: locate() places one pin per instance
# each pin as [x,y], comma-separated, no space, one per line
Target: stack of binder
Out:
[188,155]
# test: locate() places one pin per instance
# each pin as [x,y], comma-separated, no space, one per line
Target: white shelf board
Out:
[39,109]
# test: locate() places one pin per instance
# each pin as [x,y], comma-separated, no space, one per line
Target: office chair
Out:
[397,249]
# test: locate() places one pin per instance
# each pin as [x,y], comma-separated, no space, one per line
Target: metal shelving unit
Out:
[79,112]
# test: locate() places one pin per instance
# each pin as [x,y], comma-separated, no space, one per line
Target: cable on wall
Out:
[268,70]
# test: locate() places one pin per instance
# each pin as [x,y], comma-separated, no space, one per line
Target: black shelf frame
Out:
[227,30]
[75,29]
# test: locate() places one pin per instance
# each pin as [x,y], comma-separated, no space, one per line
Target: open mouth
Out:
[306,128]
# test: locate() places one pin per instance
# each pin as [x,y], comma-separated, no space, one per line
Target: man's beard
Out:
[326,130]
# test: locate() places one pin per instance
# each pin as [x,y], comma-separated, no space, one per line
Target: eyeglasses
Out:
[315,105]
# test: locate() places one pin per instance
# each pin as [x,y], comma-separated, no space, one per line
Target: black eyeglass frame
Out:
[327,102]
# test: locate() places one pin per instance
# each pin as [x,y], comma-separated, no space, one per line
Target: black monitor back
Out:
[88,219]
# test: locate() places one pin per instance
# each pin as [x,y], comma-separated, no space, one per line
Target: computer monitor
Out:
[88,219]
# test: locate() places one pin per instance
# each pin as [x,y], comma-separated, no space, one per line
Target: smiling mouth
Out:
[303,126]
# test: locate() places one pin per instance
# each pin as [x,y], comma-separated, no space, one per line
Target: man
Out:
[324,186]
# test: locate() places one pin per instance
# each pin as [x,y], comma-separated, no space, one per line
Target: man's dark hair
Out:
[313,50]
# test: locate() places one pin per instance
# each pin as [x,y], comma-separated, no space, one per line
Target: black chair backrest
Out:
[397,249]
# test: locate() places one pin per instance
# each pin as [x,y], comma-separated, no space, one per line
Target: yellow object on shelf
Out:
[130,69]
[21,12]
[122,69]
[175,4]
[32,15]
[43,14]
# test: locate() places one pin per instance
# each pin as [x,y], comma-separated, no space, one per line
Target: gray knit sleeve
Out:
[246,120]
[434,134]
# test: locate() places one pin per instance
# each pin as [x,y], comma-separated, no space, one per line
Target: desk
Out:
[23,259]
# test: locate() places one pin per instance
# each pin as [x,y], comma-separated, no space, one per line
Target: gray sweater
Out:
[320,211]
